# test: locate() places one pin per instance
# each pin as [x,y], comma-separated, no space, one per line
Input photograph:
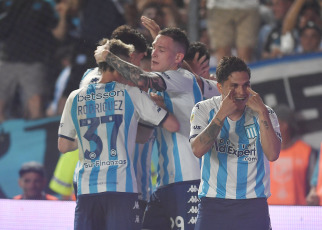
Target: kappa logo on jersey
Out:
[94,80]
[251,131]
[193,209]
[61,124]
[193,220]
[136,205]
[193,199]
[137,219]
[193,188]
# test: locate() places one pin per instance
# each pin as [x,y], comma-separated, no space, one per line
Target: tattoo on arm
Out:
[265,123]
[135,74]
[210,134]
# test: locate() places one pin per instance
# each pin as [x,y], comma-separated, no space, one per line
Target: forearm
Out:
[133,73]
[206,139]
[271,144]
[65,145]
[291,16]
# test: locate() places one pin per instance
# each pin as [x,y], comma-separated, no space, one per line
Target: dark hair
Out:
[128,35]
[178,35]
[118,48]
[228,65]
[194,48]
[32,166]
[313,5]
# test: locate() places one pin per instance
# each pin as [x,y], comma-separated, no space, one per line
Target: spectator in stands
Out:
[302,13]
[233,24]
[109,14]
[33,182]
[310,39]
[270,35]
[292,172]
[153,11]
[28,32]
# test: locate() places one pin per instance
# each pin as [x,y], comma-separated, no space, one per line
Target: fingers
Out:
[252,92]
[231,94]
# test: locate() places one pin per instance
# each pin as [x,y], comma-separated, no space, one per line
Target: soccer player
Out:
[104,117]
[174,203]
[236,135]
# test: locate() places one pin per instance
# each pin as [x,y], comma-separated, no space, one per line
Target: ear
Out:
[219,86]
[179,57]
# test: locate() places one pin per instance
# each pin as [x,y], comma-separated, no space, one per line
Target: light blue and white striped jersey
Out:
[91,76]
[105,117]
[210,88]
[236,166]
[176,160]
[142,167]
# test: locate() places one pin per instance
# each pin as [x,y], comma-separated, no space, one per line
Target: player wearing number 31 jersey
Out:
[104,118]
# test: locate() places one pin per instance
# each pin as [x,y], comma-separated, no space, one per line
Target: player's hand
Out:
[255,102]
[158,100]
[228,105]
[101,52]
[200,66]
[151,25]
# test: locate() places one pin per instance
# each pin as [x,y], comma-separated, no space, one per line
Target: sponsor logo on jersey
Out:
[196,127]
[96,96]
[242,150]
[99,163]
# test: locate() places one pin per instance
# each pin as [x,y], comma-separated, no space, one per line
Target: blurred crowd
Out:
[46,46]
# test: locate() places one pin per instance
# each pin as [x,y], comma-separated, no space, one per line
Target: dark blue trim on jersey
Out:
[193,136]
[68,138]
[163,120]
[146,125]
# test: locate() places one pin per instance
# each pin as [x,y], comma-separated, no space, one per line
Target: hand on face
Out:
[228,105]
[101,52]
[255,102]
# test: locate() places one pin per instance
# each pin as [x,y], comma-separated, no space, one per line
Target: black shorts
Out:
[173,206]
[233,214]
[107,211]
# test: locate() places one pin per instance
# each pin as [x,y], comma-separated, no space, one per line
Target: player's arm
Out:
[271,144]
[204,141]
[139,77]
[66,145]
